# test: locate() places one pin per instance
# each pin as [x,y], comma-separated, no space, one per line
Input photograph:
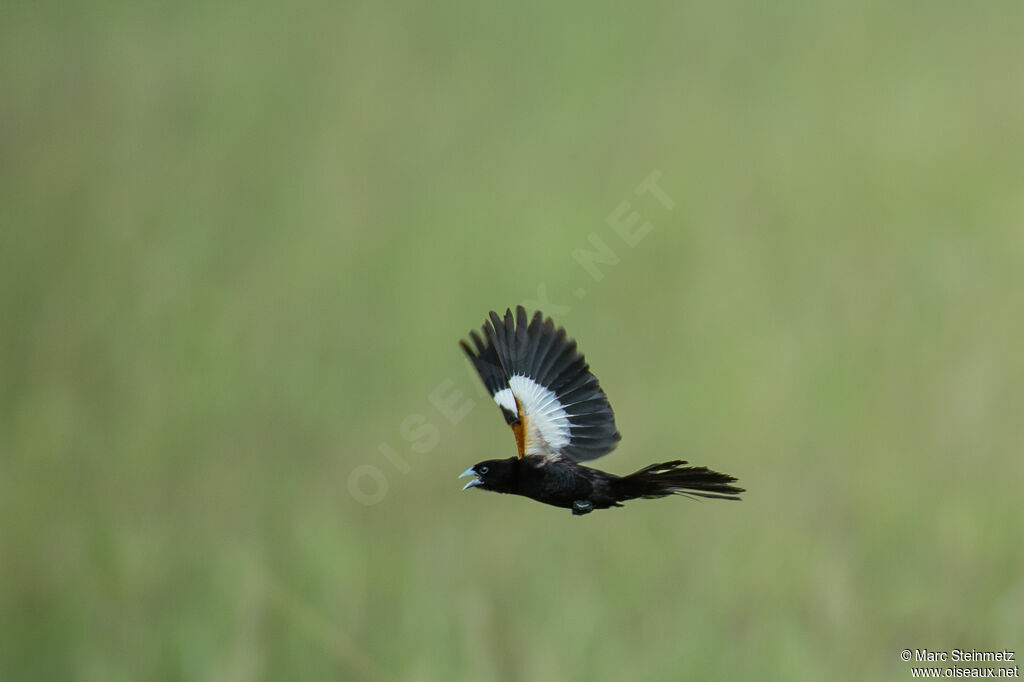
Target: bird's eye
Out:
[482,471]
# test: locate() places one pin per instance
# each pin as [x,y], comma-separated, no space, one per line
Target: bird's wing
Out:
[543,386]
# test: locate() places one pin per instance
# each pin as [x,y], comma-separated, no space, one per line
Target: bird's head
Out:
[494,474]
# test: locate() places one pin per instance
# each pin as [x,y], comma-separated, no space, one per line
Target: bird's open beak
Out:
[472,484]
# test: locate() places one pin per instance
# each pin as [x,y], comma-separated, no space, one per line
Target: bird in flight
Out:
[561,417]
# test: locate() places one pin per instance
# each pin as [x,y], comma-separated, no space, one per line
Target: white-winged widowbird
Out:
[561,417]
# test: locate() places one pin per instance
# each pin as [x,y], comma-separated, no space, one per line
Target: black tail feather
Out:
[673,478]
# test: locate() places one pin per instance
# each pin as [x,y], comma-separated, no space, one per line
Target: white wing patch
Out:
[546,420]
[505,399]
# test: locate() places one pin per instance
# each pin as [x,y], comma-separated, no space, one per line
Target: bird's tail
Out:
[673,478]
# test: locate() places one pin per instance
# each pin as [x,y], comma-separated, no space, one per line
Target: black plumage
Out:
[560,417]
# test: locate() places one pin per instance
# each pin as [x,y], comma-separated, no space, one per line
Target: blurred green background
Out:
[240,243]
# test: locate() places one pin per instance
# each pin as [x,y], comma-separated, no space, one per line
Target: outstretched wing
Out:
[543,386]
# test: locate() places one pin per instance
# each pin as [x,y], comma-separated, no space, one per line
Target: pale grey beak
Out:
[472,484]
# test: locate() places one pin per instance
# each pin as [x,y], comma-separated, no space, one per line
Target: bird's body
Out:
[560,484]
[561,417]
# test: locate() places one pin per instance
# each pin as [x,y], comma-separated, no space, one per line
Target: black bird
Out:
[561,417]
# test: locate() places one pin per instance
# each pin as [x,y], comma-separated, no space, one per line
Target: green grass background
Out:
[240,242]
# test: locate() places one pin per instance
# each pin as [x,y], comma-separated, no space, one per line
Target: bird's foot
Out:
[581,507]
